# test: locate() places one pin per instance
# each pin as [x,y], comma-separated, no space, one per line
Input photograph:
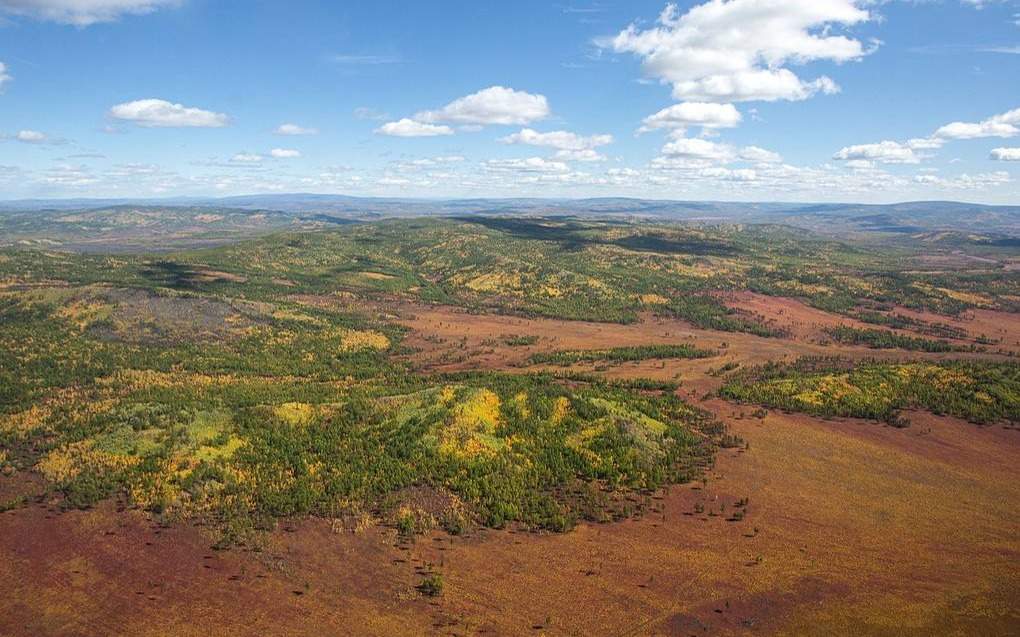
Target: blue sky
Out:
[792,100]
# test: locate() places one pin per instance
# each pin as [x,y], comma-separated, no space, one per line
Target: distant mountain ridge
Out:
[302,209]
[310,202]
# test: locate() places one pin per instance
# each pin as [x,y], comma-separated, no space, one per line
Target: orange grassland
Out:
[853,528]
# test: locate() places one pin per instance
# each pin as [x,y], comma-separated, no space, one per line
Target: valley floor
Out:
[852,528]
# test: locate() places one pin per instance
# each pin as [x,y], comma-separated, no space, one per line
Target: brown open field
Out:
[842,545]
[853,528]
[451,339]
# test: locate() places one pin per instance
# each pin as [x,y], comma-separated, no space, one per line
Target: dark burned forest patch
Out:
[142,316]
[575,235]
[186,276]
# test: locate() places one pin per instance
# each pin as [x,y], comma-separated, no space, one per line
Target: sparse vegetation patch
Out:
[982,392]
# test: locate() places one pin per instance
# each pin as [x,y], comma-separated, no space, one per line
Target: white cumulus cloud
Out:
[285,153]
[249,158]
[493,105]
[407,127]
[886,152]
[585,154]
[738,50]
[1004,125]
[965,181]
[760,155]
[529,165]
[925,143]
[31,137]
[980,4]
[689,152]
[38,138]
[698,149]
[294,129]
[704,114]
[393,181]
[1005,154]
[890,152]
[561,140]
[157,113]
[82,13]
